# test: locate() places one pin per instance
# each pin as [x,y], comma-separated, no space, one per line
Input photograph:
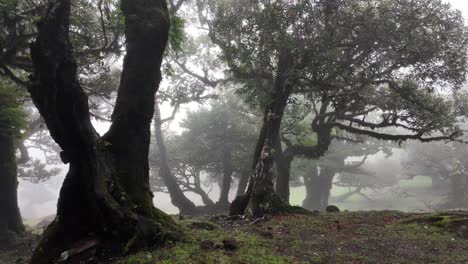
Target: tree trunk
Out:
[260,197]
[318,186]
[178,198]
[311,200]
[11,224]
[436,182]
[458,196]
[105,203]
[243,180]
[283,166]
[228,169]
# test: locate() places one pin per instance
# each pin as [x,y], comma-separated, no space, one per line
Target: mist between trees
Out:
[225,107]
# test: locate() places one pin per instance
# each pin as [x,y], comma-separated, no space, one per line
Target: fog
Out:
[37,200]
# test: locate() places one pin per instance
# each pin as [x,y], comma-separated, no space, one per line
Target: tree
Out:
[12,120]
[96,36]
[185,86]
[391,65]
[445,163]
[105,200]
[183,89]
[215,144]
[333,163]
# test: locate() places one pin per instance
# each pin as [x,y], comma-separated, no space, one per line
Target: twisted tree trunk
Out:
[105,202]
[228,169]
[260,197]
[11,225]
[178,198]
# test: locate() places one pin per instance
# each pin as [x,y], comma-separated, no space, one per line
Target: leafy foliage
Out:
[12,117]
[353,57]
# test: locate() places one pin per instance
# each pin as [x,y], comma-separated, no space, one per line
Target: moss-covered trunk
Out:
[105,202]
[11,225]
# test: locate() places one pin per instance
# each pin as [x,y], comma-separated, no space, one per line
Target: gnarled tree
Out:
[105,200]
[352,58]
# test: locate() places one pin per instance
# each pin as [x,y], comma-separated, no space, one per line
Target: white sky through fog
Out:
[461,5]
[39,200]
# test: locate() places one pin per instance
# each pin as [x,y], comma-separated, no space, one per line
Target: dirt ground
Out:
[342,237]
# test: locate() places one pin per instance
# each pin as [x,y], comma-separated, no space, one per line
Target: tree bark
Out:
[178,198]
[260,197]
[283,166]
[243,180]
[310,202]
[228,169]
[11,224]
[318,187]
[105,200]
[458,196]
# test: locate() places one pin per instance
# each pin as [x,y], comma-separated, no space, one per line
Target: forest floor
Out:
[342,237]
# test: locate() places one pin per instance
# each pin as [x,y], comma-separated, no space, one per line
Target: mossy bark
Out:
[105,197]
[11,225]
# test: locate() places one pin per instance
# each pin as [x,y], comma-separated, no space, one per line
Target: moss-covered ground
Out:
[345,237]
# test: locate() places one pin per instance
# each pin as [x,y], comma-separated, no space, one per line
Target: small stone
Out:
[230,244]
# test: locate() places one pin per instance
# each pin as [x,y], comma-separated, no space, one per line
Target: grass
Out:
[347,237]
[344,237]
[252,249]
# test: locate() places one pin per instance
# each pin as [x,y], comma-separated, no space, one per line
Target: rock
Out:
[332,209]
[207,245]
[230,244]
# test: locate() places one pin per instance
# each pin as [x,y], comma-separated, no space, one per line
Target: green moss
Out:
[252,249]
